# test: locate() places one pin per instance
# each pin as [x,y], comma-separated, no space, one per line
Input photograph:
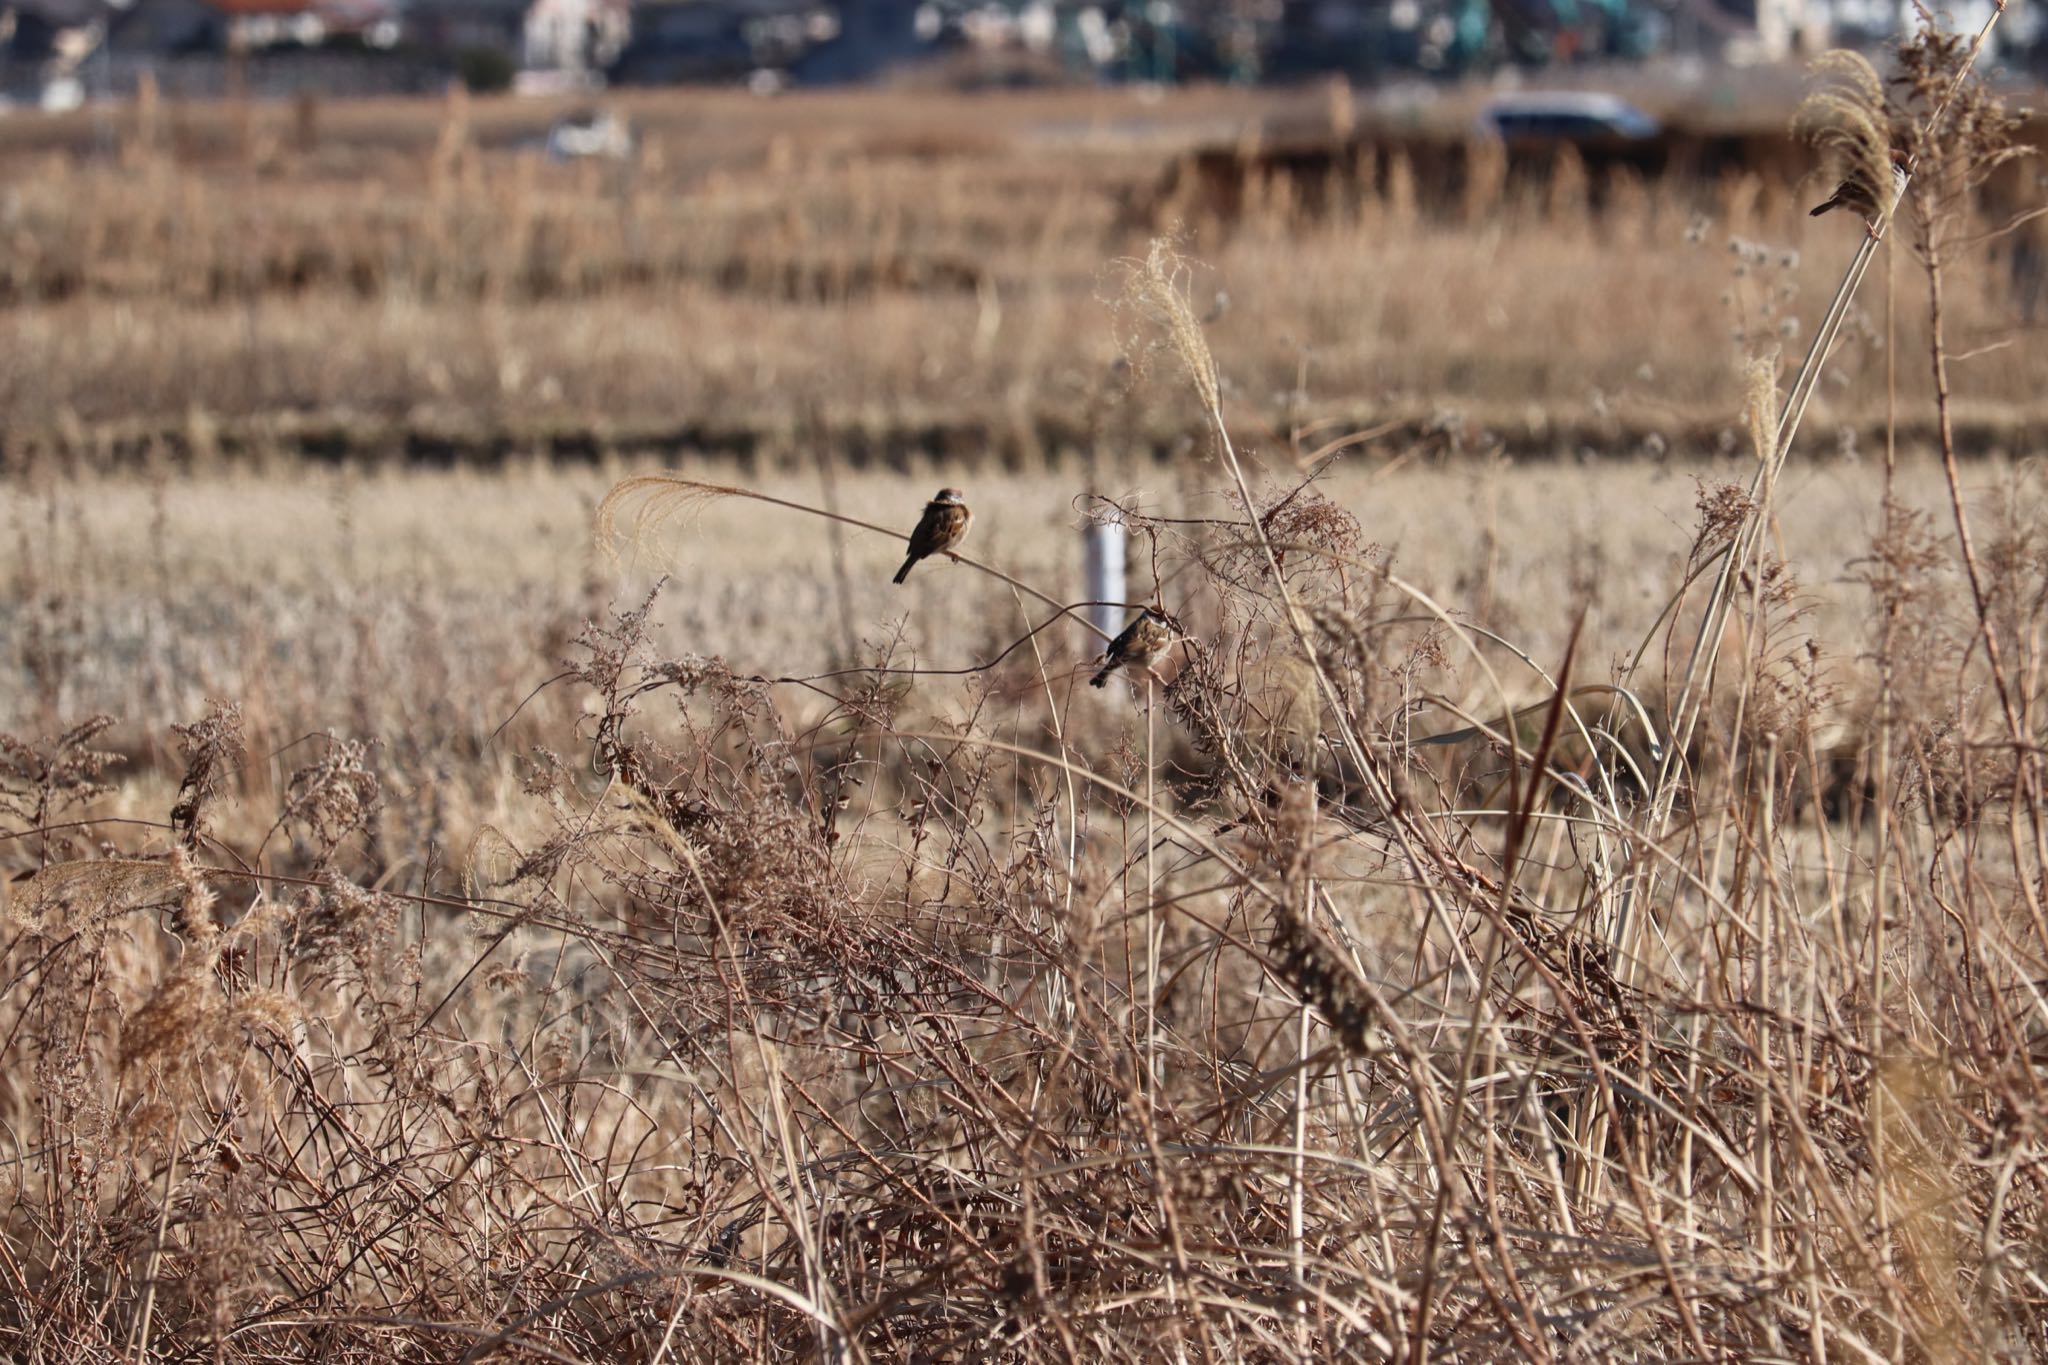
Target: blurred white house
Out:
[575,35]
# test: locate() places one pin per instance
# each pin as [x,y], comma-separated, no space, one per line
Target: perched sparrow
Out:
[943,526]
[1856,192]
[1143,643]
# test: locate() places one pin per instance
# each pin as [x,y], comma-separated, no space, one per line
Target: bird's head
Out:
[953,495]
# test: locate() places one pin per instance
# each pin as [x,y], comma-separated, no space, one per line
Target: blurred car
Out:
[685,44]
[1565,116]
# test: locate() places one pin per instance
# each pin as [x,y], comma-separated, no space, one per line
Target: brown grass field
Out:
[490,869]
[892,280]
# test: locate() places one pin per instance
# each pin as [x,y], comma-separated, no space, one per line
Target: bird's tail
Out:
[1101,679]
[904,572]
[1823,208]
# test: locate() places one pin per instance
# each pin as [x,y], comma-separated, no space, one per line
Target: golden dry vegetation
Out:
[892,276]
[495,872]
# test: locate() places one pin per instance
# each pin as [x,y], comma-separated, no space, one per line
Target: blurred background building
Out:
[57,53]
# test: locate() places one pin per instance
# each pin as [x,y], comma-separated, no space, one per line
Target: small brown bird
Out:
[943,526]
[1856,192]
[1142,644]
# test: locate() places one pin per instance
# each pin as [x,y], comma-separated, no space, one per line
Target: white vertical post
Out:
[1102,572]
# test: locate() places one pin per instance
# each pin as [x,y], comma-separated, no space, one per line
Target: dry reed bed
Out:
[812,1020]
[877,1013]
[752,280]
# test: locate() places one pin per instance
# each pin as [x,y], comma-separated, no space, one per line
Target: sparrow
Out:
[1142,644]
[1856,192]
[943,526]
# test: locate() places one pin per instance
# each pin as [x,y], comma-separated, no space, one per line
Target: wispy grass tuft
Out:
[1845,113]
